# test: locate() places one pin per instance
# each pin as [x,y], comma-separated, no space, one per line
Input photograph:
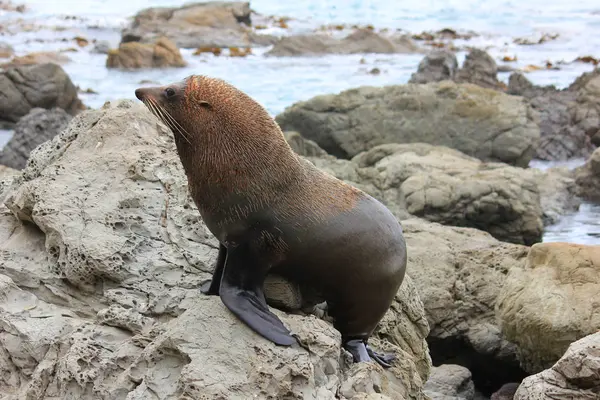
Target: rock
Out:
[588,178]
[479,122]
[132,55]
[506,392]
[585,112]
[32,130]
[43,85]
[437,66]
[576,375]
[110,250]
[459,273]
[558,192]
[443,185]
[7,176]
[42,57]
[552,109]
[6,50]
[359,41]
[208,24]
[551,302]
[101,47]
[450,382]
[480,69]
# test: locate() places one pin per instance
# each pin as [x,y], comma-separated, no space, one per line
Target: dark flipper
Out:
[241,292]
[212,286]
[363,353]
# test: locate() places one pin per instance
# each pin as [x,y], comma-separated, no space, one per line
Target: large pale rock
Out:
[551,302]
[576,375]
[38,126]
[133,55]
[204,24]
[585,112]
[482,123]
[359,41]
[554,110]
[588,178]
[109,249]
[44,85]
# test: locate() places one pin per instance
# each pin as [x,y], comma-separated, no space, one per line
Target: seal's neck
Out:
[239,169]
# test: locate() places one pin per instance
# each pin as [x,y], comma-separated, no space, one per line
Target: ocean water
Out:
[279,82]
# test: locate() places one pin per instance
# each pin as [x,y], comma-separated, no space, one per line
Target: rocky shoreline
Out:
[102,250]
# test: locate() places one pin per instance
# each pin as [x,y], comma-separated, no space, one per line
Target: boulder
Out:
[588,178]
[551,302]
[101,47]
[576,375]
[479,122]
[359,41]
[479,68]
[436,66]
[207,24]
[506,392]
[443,185]
[559,193]
[104,242]
[450,382]
[44,85]
[554,111]
[133,55]
[32,130]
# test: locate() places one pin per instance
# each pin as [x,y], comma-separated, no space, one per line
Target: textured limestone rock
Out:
[576,375]
[482,123]
[551,302]
[38,126]
[132,55]
[109,249]
[44,85]
[480,69]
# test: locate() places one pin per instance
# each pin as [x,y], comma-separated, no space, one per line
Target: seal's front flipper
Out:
[212,286]
[241,292]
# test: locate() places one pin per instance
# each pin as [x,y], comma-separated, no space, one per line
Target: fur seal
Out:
[275,212]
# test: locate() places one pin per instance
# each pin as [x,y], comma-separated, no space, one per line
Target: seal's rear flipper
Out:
[363,353]
[241,292]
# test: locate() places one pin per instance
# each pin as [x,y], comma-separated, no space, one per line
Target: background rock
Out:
[208,24]
[560,139]
[588,178]
[32,130]
[6,50]
[109,248]
[45,85]
[436,66]
[479,69]
[551,302]
[130,55]
[576,375]
[479,122]
[359,41]
[41,57]
[506,392]
[450,382]
[585,112]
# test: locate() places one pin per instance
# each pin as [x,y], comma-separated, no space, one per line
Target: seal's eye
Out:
[170,92]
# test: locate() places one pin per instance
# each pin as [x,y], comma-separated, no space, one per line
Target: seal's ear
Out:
[205,104]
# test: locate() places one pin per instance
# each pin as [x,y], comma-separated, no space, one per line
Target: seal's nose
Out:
[139,93]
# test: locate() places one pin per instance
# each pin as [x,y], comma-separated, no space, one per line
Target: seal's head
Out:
[201,110]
